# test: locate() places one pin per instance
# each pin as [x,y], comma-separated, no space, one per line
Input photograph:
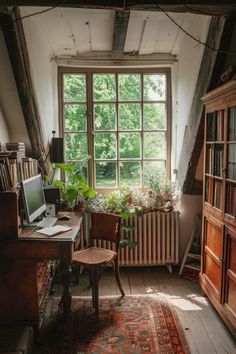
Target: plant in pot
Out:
[75,191]
[118,202]
[162,194]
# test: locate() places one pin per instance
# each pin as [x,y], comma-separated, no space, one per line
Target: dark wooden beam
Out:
[193,6]
[219,36]
[119,33]
[18,54]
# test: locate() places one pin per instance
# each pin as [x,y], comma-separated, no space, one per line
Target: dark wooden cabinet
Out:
[218,268]
[25,286]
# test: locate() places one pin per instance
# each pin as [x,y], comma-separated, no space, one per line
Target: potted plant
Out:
[162,194]
[118,202]
[75,191]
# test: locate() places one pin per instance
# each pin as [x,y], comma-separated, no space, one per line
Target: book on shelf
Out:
[6,182]
[217,200]
[220,125]
[209,159]
[18,146]
[210,128]
[218,166]
[232,124]
[231,199]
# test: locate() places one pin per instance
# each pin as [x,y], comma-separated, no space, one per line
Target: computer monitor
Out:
[33,197]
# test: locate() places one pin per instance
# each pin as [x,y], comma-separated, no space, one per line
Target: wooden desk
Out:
[25,252]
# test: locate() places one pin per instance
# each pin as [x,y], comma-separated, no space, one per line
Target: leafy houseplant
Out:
[162,193]
[74,191]
[118,202]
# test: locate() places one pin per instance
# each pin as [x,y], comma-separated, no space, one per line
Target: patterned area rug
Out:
[140,324]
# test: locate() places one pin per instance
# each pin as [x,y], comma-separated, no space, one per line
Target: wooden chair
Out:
[104,226]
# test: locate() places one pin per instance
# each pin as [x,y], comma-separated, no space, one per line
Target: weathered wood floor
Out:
[205,331]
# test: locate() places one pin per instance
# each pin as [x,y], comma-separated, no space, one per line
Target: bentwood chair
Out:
[104,226]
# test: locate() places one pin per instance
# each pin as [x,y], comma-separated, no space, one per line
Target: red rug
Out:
[140,324]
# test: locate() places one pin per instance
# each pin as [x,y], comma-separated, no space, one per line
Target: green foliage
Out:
[75,188]
[162,193]
[107,119]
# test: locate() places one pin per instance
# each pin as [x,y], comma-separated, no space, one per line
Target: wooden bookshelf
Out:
[218,266]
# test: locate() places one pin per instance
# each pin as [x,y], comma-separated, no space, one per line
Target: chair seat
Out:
[94,256]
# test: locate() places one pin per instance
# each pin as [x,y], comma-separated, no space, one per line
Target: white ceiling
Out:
[76,31]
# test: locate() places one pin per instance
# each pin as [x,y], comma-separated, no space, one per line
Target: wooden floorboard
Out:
[205,331]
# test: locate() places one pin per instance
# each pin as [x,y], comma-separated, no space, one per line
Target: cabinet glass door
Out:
[214,158]
[231,163]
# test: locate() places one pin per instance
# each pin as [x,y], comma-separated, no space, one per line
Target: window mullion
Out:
[90,137]
[142,131]
[117,134]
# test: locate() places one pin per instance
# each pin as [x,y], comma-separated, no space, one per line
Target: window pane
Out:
[130,145]
[130,173]
[153,168]
[75,146]
[104,87]
[105,146]
[74,87]
[105,116]
[75,117]
[81,167]
[129,87]
[154,87]
[105,174]
[129,115]
[154,145]
[154,115]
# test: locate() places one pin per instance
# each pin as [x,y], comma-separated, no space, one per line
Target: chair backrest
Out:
[105,226]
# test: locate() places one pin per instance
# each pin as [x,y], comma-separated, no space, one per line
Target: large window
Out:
[121,119]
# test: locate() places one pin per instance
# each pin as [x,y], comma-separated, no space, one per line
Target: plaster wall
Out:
[4,135]
[44,76]
[184,77]
[12,125]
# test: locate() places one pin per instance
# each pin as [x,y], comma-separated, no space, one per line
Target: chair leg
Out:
[117,273]
[95,277]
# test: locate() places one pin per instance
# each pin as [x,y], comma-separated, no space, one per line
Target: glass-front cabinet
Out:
[218,259]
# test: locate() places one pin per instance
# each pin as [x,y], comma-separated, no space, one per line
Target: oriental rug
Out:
[129,325]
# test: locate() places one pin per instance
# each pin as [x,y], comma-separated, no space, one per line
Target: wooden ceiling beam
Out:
[119,33]
[219,36]
[18,55]
[192,6]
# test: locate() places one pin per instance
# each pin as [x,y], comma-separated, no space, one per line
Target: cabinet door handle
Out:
[221,259]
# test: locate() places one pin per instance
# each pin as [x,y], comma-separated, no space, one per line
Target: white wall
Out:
[4,135]
[44,76]
[184,77]
[12,125]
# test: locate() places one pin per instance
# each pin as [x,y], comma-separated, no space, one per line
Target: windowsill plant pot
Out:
[75,192]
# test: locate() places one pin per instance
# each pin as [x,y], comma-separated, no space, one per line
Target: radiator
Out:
[157,234]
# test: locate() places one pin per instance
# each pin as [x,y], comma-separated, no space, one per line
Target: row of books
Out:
[215,126]
[209,159]
[213,192]
[5,176]
[218,168]
[15,168]
[217,198]
[231,199]
[232,124]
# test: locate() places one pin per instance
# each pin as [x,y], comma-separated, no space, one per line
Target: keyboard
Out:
[47,222]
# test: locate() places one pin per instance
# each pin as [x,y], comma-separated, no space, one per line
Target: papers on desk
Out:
[54,230]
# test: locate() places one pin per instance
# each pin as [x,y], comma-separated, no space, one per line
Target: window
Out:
[121,119]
